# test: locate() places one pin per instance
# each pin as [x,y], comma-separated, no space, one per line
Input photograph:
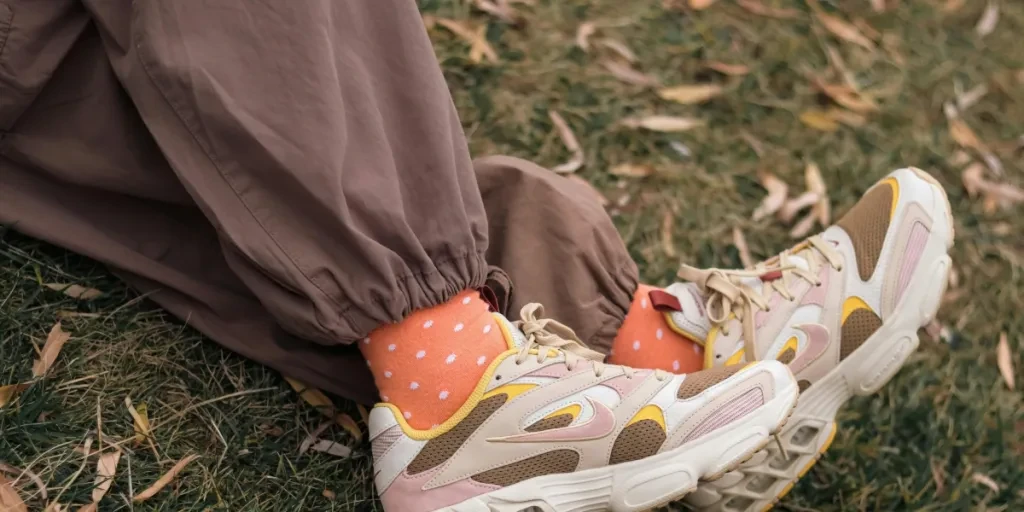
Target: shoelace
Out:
[546,335]
[729,295]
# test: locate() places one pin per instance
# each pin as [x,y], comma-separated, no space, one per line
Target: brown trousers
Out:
[284,176]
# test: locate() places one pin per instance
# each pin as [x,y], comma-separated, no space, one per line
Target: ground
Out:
[946,434]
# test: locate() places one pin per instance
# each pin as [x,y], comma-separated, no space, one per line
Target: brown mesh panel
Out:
[557,461]
[866,223]
[694,383]
[440,448]
[857,328]
[562,420]
[803,384]
[637,441]
[787,356]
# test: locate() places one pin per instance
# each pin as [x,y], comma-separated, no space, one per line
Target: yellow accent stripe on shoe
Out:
[649,412]
[853,304]
[895,186]
[512,390]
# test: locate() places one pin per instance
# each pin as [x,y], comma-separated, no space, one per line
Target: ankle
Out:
[647,340]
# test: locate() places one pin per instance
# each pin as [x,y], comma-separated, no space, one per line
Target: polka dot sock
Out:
[428,364]
[646,341]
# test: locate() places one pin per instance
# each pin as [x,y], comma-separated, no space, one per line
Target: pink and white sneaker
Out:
[551,427]
[842,309]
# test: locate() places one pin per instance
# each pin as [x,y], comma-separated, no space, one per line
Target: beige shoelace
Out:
[727,294]
[544,334]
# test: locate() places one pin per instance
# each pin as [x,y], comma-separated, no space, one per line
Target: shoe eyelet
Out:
[818,284]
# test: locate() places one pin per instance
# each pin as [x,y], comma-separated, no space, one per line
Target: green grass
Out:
[913,446]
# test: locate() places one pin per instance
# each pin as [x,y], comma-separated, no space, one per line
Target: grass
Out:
[917,445]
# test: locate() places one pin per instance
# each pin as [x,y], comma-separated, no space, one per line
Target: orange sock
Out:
[646,341]
[428,364]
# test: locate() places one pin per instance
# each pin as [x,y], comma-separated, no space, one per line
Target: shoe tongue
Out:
[513,336]
[687,314]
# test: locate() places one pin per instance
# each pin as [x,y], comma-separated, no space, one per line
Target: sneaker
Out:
[842,309]
[549,426]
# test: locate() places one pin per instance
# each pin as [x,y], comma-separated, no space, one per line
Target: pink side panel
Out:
[406,493]
[816,295]
[733,410]
[911,256]
[625,385]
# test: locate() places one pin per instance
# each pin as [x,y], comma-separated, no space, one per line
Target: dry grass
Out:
[917,445]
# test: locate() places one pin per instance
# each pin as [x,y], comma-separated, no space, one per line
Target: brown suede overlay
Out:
[866,224]
[694,383]
[557,461]
[442,447]
[857,328]
[637,441]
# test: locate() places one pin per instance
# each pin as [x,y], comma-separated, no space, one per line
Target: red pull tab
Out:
[664,301]
[771,276]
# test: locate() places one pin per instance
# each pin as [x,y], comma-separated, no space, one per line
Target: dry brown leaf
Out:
[983,479]
[569,139]
[627,74]
[728,69]
[313,397]
[740,241]
[756,7]
[816,184]
[1005,362]
[663,123]
[690,94]
[963,135]
[618,47]
[350,426]
[313,436]
[966,100]
[988,20]
[329,494]
[793,206]
[994,195]
[18,473]
[777,190]
[959,158]
[162,482]
[479,48]
[10,500]
[597,195]
[804,227]
[667,238]
[844,30]
[56,507]
[9,392]
[818,119]
[501,10]
[878,5]
[106,469]
[848,97]
[938,476]
[953,5]
[55,341]
[583,33]
[88,508]
[632,170]
[701,4]
[851,119]
[363,414]
[331,448]
[75,291]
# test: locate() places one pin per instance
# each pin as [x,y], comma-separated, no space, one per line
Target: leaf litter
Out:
[55,341]
[569,139]
[164,479]
[1004,359]
[667,124]
[690,94]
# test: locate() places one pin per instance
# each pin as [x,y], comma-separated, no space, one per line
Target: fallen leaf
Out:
[501,10]
[938,476]
[583,33]
[9,392]
[988,20]
[363,413]
[701,4]
[968,99]
[632,170]
[756,7]
[963,135]
[728,69]
[819,119]
[740,241]
[313,436]
[75,291]
[804,227]
[844,30]
[1004,361]
[847,97]
[18,473]
[350,426]
[690,94]
[313,397]
[627,74]
[851,119]
[162,482]
[479,48]
[106,469]
[55,341]
[993,194]
[618,47]
[878,5]
[10,500]
[329,494]
[331,448]
[597,195]
[959,158]
[140,418]
[569,139]
[816,184]
[663,123]
[682,149]
[56,507]
[271,430]
[754,143]
[953,5]
[985,480]
[793,206]
[667,240]
[777,190]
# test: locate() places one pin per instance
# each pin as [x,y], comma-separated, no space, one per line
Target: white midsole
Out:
[645,483]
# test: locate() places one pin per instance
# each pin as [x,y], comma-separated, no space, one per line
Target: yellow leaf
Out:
[662,123]
[350,426]
[313,397]
[162,482]
[756,7]
[106,469]
[690,94]
[820,120]
[632,170]
[1004,361]
[55,341]
[75,291]
[701,4]
[728,69]
[10,500]
[9,392]
[569,139]
[140,417]
[844,30]
[479,48]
